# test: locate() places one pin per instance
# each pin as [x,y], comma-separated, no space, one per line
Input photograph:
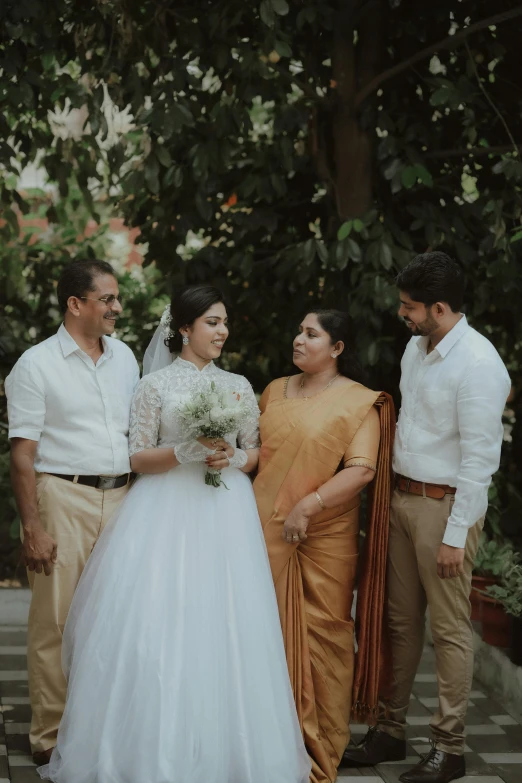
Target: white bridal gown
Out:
[173,647]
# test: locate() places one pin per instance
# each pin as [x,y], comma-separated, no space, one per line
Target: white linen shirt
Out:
[450,423]
[76,410]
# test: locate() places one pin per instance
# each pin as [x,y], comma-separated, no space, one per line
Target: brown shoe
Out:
[436,767]
[42,757]
[376,747]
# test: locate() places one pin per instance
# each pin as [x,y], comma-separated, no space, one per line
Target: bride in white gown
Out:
[173,647]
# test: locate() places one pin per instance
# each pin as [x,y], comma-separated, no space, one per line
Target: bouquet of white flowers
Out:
[213,413]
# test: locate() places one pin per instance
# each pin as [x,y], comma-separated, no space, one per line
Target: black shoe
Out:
[376,747]
[436,767]
[41,757]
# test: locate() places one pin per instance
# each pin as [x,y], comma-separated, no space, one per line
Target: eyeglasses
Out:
[107,300]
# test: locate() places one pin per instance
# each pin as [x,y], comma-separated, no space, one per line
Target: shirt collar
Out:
[446,344]
[191,365]
[69,345]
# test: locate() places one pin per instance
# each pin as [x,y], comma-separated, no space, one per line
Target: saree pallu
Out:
[304,442]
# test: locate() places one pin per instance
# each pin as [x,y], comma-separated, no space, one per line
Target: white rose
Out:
[213,399]
[215,413]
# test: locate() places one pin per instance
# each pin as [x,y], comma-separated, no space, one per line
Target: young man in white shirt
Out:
[454,387]
[69,405]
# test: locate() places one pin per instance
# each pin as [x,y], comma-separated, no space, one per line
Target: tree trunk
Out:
[355,62]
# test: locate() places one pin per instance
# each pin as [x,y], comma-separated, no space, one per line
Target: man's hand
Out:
[39,551]
[450,562]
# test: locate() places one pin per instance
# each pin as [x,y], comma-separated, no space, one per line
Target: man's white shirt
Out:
[450,423]
[76,410]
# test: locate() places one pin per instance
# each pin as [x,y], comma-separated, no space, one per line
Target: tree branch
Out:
[451,42]
[490,99]
[474,151]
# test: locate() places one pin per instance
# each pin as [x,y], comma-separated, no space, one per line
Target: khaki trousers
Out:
[417,526]
[74,515]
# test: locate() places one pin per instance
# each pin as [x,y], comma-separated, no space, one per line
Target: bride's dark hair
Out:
[340,327]
[187,305]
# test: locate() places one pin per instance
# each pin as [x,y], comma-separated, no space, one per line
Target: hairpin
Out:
[165,322]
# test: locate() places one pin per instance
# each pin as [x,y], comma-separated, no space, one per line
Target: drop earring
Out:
[185,340]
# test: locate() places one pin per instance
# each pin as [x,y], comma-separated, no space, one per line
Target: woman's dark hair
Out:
[339,326]
[433,277]
[77,279]
[187,305]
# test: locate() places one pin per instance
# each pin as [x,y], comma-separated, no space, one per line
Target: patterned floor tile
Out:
[487,730]
[21,760]
[502,758]
[481,779]
[16,713]
[17,663]
[24,775]
[13,676]
[17,728]
[18,744]
[418,708]
[10,700]
[431,702]
[504,720]
[510,773]
[497,744]
[493,749]
[12,635]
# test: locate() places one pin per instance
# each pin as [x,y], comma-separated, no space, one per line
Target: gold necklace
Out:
[301,387]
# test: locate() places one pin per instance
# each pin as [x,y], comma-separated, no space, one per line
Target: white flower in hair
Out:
[165,322]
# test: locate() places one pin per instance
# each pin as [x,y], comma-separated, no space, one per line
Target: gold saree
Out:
[303,444]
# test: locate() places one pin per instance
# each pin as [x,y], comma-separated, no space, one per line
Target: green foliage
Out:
[243,100]
[290,153]
[494,557]
[509,591]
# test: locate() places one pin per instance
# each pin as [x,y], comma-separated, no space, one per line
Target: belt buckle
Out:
[106,482]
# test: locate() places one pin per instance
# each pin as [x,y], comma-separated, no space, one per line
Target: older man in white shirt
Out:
[454,387]
[68,404]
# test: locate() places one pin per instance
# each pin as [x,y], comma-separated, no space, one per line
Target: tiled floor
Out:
[493,752]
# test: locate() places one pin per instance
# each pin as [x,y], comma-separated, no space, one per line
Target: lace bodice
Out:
[154,420]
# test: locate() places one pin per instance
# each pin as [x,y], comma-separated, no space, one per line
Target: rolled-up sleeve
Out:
[25,393]
[480,403]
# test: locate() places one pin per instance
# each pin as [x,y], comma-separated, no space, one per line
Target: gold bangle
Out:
[320,501]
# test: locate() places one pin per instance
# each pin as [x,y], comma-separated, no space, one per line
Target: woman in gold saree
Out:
[324,437]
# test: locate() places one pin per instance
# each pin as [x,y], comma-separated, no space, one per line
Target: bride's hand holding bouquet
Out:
[209,417]
[223,452]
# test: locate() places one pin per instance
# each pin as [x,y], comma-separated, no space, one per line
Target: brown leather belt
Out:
[436,491]
[99,482]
